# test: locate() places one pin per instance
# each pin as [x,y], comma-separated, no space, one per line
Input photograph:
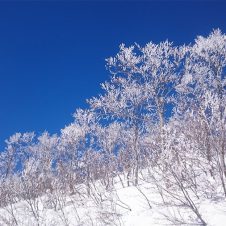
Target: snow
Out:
[134,206]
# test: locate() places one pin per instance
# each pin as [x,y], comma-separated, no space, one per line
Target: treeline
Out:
[163,110]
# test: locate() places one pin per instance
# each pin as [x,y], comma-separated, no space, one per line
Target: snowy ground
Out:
[134,206]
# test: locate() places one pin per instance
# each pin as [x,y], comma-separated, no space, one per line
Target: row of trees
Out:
[164,109]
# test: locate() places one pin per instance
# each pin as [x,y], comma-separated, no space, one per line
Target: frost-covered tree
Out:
[203,88]
[141,88]
[14,154]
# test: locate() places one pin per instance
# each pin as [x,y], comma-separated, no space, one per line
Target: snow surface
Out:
[135,206]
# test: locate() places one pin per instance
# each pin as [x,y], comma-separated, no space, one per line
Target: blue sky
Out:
[52,54]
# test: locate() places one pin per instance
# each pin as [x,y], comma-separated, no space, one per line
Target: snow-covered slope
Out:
[130,206]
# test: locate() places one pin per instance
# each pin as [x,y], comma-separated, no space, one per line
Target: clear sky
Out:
[52,54]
